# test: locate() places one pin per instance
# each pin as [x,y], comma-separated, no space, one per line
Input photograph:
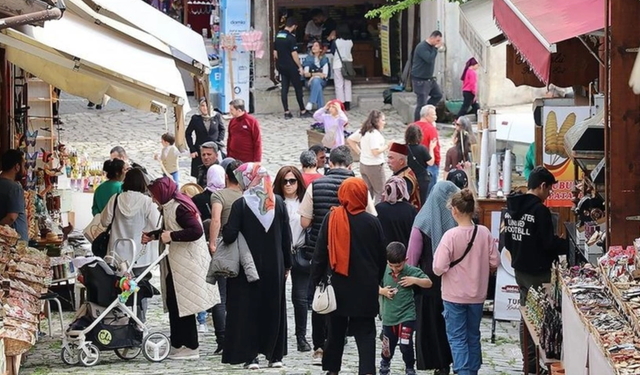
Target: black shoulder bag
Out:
[473,237]
[347,67]
[100,245]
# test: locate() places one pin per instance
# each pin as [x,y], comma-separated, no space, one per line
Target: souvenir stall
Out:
[25,274]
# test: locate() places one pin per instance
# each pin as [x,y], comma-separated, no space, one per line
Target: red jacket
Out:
[245,141]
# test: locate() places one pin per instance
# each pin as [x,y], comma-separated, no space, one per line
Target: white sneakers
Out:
[317,357]
[309,106]
[184,353]
[202,328]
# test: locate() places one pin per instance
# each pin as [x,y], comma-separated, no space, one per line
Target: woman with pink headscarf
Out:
[215,182]
[256,312]
[395,212]
[183,272]
[469,80]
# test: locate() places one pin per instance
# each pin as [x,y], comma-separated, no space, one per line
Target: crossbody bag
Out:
[469,246]
[347,67]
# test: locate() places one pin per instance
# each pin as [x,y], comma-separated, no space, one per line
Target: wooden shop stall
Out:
[600,300]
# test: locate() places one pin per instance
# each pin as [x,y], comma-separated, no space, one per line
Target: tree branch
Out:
[396,6]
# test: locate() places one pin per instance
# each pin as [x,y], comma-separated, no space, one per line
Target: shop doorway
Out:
[375,43]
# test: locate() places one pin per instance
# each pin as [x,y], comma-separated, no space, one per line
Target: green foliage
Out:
[396,6]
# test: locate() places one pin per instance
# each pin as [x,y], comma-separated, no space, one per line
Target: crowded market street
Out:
[94,132]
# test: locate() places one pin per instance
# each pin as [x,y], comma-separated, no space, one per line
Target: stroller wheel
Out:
[91,356]
[156,347]
[128,353]
[70,355]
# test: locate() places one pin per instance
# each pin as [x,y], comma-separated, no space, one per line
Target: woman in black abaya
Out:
[433,220]
[256,312]
[207,128]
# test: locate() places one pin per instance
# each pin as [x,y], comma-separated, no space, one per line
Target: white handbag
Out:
[94,229]
[324,298]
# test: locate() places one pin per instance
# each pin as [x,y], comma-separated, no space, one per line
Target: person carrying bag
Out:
[100,245]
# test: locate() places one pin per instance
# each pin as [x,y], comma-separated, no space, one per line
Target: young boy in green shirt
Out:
[398,307]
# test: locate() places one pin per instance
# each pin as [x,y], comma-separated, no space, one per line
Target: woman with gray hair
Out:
[309,162]
[395,213]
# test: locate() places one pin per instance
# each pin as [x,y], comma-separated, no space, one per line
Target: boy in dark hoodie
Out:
[531,239]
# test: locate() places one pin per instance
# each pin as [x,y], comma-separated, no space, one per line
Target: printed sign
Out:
[506,303]
[236,16]
[384,48]
[556,123]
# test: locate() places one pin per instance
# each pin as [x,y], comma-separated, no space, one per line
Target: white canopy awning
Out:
[186,44]
[72,43]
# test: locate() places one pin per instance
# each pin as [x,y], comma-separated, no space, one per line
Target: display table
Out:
[529,329]
[580,352]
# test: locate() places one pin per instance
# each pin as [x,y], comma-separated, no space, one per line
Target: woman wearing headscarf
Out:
[350,247]
[207,128]
[256,312]
[395,213]
[183,272]
[433,220]
[215,182]
[469,80]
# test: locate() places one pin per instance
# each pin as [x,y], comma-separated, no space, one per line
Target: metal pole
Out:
[29,18]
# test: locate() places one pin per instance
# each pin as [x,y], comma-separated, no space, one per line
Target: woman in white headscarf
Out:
[433,220]
[256,312]
[215,182]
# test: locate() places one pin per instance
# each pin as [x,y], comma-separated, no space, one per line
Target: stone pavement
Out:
[94,132]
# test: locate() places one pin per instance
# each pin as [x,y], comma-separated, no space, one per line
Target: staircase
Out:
[366,96]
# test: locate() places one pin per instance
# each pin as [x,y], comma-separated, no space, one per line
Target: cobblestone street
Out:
[95,132]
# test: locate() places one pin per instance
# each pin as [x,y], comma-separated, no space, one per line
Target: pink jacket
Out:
[467,282]
[470,82]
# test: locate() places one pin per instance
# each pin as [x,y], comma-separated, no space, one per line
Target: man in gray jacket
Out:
[423,79]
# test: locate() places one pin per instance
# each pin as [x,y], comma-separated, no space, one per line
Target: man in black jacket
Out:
[531,239]
[423,78]
[320,196]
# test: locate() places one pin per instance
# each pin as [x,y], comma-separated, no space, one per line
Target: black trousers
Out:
[425,89]
[364,330]
[318,330]
[468,103]
[300,300]
[291,77]
[219,311]
[183,329]
[392,337]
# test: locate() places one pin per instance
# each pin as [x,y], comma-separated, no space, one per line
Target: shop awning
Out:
[123,70]
[535,27]
[186,45]
[478,30]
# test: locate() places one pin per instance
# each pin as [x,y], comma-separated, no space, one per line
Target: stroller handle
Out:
[134,249]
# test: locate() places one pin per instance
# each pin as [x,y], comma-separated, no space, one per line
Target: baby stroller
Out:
[107,321]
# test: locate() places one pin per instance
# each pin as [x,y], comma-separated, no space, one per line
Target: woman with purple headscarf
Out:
[395,213]
[183,272]
[469,88]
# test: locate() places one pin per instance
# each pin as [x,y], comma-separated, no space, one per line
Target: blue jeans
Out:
[202,317]
[316,95]
[175,176]
[435,171]
[463,330]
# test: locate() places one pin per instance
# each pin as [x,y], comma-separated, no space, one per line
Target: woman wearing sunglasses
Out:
[290,185]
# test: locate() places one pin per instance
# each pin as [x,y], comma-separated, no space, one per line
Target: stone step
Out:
[270,102]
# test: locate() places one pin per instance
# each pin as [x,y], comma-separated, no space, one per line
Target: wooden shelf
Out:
[40,95]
